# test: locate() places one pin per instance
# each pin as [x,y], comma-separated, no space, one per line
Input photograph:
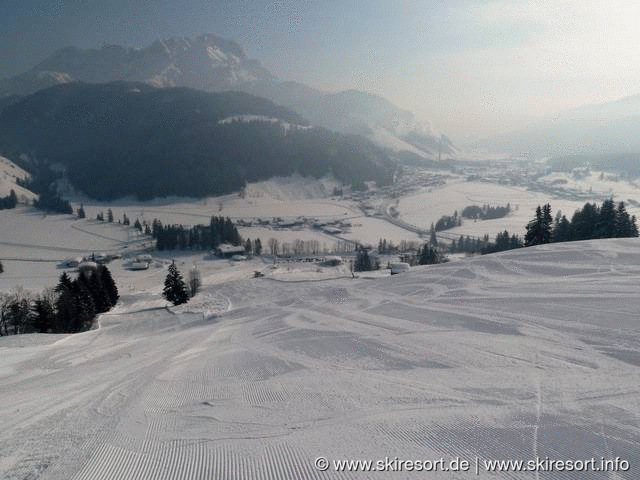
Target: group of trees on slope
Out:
[70,307]
[590,222]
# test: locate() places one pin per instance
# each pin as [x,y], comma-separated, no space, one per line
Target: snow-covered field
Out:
[370,230]
[426,207]
[524,354]
[32,245]
[287,198]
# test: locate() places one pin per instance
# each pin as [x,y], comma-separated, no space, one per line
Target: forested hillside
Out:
[122,139]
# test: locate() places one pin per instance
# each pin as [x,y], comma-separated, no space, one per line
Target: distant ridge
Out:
[208,62]
[124,138]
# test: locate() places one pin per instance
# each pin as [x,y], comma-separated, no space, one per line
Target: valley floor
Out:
[524,354]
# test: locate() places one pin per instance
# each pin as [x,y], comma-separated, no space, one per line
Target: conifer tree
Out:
[43,315]
[101,299]
[429,255]
[561,230]
[108,284]
[363,261]
[13,199]
[539,229]
[547,221]
[606,221]
[175,290]
[64,283]
[433,239]
[532,237]
[83,305]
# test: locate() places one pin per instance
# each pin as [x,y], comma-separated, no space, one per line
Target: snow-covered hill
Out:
[10,173]
[524,354]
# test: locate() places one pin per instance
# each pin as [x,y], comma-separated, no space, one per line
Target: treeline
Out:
[387,247]
[486,212]
[200,237]
[590,222]
[10,201]
[503,241]
[70,307]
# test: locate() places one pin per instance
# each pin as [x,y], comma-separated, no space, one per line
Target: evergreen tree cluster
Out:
[200,237]
[468,244]
[51,202]
[430,255]
[486,212]
[448,221]
[503,241]
[363,261]
[69,308]
[539,229]
[10,201]
[590,222]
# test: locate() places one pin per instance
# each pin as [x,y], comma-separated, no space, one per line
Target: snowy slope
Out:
[10,173]
[528,353]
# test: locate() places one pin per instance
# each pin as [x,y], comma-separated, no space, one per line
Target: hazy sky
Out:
[472,68]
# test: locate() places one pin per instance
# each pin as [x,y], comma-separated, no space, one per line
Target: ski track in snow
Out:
[508,356]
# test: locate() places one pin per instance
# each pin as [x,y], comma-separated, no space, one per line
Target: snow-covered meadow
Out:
[426,207]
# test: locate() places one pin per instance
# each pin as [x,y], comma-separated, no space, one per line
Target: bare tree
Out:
[15,312]
[273,246]
[4,314]
[298,247]
[194,280]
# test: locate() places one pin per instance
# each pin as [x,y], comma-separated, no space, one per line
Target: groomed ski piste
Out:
[520,355]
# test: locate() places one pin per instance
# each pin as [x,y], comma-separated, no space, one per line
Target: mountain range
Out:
[214,64]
